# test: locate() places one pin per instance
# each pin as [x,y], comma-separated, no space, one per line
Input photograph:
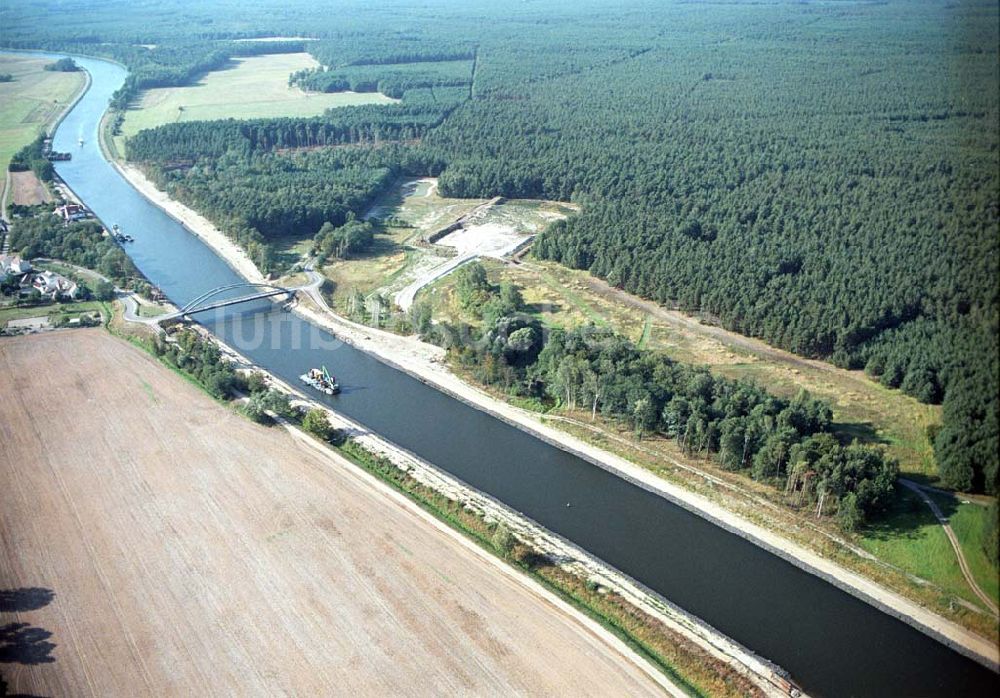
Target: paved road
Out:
[129,299]
[131,307]
[475,242]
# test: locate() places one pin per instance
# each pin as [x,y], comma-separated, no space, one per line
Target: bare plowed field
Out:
[152,542]
[28,190]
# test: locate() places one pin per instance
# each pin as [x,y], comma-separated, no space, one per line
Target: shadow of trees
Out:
[907,516]
[5,694]
[23,643]
[542,307]
[862,431]
[25,599]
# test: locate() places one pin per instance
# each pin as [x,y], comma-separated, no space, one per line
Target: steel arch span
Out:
[193,305]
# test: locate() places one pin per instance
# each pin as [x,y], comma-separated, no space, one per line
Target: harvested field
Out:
[166,545]
[30,102]
[28,190]
[248,88]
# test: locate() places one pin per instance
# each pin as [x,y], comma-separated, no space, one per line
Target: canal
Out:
[832,643]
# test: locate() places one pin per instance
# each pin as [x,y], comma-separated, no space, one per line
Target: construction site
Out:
[426,236]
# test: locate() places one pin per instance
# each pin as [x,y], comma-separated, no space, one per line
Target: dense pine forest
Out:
[823,175]
[390,80]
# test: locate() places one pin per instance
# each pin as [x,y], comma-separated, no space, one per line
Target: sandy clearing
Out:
[191,551]
[471,242]
[486,239]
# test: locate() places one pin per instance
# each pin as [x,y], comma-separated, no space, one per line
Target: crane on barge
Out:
[321,380]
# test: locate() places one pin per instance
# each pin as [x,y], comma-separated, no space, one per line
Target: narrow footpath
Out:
[953,539]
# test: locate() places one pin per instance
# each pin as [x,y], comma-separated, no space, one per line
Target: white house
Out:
[13,265]
[51,284]
[71,212]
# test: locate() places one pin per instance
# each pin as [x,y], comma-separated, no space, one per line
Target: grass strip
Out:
[694,671]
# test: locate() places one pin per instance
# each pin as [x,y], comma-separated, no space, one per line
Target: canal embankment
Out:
[768,678]
[426,363]
[833,643]
[234,255]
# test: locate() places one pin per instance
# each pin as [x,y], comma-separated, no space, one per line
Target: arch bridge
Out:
[206,302]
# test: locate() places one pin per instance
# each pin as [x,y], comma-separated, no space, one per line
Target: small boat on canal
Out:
[321,380]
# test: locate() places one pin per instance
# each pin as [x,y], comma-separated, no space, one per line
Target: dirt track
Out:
[191,552]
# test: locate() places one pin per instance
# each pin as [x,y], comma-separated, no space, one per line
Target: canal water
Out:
[832,643]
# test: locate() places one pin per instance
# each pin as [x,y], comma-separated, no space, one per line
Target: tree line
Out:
[374,125]
[63,65]
[82,243]
[391,80]
[200,359]
[31,157]
[737,424]
[373,49]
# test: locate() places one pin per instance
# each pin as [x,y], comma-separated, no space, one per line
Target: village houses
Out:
[13,266]
[47,283]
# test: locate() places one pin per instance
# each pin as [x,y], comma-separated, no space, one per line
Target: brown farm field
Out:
[28,190]
[153,542]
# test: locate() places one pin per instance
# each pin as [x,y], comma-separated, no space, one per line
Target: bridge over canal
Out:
[210,299]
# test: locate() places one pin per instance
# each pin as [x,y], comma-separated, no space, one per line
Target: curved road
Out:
[953,539]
